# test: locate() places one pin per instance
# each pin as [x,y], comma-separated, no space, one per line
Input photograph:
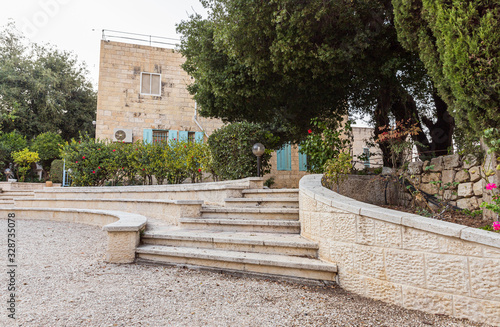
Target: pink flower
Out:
[114,150]
[98,167]
[491,186]
[93,171]
[83,157]
[496,225]
[76,162]
[309,131]
[199,170]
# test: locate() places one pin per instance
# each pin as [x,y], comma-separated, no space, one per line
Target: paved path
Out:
[63,281]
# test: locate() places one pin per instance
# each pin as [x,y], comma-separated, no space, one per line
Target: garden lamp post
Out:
[258,149]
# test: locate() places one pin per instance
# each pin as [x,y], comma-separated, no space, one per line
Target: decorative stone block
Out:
[369,261]
[468,203]
[431,177]
[465,190]
[462,176]
[479,187]
[477,310]
[415,168]
[451,161]
[345,230]
[405,267]
[387,234]
[448,176]
[384,291]
[437,164]
[414,239]
[475,173]
[485,278]
[428,301]
[446,273]
[343,255]
[365,231]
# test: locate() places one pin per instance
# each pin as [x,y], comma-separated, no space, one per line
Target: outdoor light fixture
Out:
[258,149]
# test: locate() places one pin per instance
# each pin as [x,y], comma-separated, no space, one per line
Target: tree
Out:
[43,89]
[48,146]
[459,43]
[284,62]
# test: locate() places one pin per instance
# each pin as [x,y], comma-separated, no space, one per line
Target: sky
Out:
[76,25]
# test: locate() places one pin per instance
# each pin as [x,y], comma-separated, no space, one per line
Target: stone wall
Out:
[452,178]
[404,259]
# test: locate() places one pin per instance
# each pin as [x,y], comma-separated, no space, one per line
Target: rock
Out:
[475,173]
[468,203]
[462,176]
[450,195]
[469,161]
[429,188]
[425,165]
[431,177]
[436,164]
[465,190]
[448,176]
[451,161]
[386,171]
[479,187]
[415,168]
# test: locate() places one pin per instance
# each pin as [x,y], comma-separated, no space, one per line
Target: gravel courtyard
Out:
[63,280]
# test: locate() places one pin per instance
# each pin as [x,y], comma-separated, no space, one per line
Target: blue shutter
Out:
[284,157]
[183,136]
[147,135]
[302,161]
[198,137]
[172,134]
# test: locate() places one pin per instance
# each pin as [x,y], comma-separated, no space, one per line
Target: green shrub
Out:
[48,145]
[231,148]
[56,170]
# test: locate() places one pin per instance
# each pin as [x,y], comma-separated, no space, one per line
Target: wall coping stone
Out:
[311,186]
[127,222]
[179,202]
[211,186]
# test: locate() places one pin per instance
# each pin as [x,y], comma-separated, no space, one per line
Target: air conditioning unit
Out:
[122,135]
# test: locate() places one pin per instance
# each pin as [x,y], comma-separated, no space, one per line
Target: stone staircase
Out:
[7,197]
[257,234]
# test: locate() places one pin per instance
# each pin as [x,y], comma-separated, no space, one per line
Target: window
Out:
[284,158]
[160,135]
[151,84]
[191,138]
[302,161]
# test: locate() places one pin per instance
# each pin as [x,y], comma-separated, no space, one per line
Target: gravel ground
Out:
[64,281]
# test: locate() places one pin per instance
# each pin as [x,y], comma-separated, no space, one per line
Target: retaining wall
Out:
[408,260]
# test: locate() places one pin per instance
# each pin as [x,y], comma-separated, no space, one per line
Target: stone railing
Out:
[210,193]
[409,260]
[123,229]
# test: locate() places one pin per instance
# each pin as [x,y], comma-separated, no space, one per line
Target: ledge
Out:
[310,185]
[126,222]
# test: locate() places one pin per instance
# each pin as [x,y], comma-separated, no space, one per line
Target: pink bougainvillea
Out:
[496,225]
[491,186]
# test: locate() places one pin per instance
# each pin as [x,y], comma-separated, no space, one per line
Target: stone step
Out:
[269,193]
[250,213]
[284,244]
[271,264]
[242,225]
[14,194]
[275,202]
[6,203]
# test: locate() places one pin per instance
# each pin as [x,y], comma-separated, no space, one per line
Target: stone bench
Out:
[123,228]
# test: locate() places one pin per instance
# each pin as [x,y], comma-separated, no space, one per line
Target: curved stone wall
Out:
[408,260]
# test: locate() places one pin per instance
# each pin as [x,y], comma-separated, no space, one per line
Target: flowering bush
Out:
[94,162]
[325,143]
[24,159]
[494,206]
